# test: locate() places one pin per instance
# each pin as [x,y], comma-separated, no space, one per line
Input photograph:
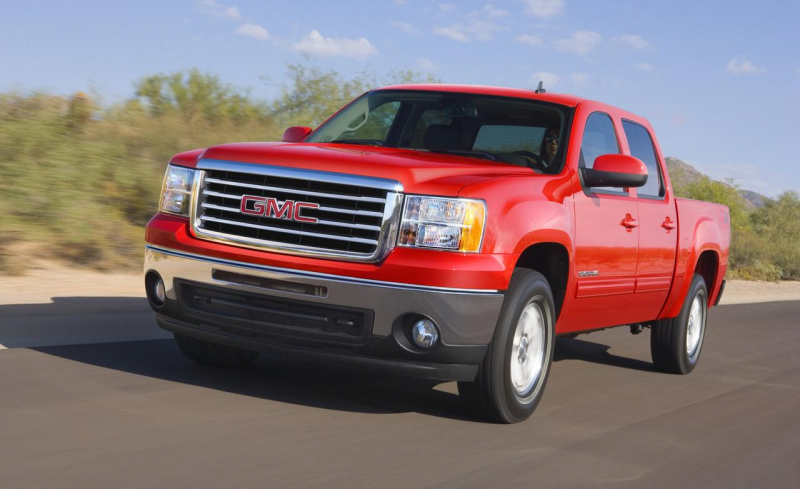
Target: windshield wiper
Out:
[462,152]
[369,142]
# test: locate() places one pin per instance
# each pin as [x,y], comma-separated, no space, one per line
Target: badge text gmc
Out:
[438,231]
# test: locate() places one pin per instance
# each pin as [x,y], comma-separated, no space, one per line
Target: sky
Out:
[719,80]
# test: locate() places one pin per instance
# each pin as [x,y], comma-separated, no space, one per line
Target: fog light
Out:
[425,334]
[155,289]
[161,294]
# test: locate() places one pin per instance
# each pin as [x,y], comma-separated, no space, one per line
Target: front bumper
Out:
[466,318]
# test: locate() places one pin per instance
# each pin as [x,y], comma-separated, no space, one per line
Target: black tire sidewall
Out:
[527,286]
[698,287]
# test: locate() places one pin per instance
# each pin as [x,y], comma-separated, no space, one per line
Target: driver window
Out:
[599,138]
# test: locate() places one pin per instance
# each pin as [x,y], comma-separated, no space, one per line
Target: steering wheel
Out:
[537,160]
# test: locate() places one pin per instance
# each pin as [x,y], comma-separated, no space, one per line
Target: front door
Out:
[606,239]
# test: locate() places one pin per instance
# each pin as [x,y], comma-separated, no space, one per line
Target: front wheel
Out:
[675,343]
[512,377]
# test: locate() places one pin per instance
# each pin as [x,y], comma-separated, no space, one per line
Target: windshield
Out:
[517,131]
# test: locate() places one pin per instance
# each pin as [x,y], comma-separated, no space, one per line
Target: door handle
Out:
[629,222]
[668,224]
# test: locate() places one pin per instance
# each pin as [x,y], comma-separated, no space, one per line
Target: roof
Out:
[556,98]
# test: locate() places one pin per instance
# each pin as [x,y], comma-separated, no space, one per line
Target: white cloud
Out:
[646,67]
[478,25]
[530,40]
[454,32]
[315,44]
[549,80]
[580,43]
[490,12]
[544,9]
[425,64]
[743,67]
[447,7]
[216,9]
[578,79]
[253,30]
[400,2]
[633,41]
[405,27]
[231,13]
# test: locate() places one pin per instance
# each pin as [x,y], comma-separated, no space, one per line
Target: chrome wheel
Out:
[695,327]
[528,349]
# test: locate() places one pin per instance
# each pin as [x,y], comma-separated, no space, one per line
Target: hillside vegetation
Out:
[79,179]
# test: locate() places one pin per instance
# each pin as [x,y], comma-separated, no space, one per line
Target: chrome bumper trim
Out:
[303,273]
[465,317]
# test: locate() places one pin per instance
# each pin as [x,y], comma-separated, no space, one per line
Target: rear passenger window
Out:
[599,139]
[508,139]
[641,145]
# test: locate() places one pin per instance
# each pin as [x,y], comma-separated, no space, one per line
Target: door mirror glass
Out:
[615,170]
[295,134]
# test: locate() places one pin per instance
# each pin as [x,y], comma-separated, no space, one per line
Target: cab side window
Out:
[641,145]
[599,138]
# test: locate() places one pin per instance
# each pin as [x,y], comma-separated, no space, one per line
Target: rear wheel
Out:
[512,377]
[213,354]
[675,343]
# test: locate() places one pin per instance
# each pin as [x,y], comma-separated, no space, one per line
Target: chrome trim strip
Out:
[302,174]
[322,208]
[290,231]
[286,190]
[303,273]
[350,225]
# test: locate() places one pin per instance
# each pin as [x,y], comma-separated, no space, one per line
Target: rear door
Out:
[606,238]
[658,232]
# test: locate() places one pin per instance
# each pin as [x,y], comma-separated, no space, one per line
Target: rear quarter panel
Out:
[702,226]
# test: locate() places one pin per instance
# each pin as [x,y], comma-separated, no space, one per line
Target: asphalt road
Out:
[137,414]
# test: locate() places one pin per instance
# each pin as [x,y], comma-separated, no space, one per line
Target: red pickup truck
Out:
[439,231]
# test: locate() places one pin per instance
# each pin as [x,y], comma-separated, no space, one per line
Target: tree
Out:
[313,94]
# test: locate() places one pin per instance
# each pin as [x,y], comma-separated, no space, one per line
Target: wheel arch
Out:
[552,260]
[708,268]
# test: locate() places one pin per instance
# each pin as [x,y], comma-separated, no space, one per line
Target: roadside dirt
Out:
[49,280]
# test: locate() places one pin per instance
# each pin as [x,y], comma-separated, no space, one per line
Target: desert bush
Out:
[79,179]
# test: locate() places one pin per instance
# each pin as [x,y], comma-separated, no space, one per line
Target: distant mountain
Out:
[682,174]
[754,198]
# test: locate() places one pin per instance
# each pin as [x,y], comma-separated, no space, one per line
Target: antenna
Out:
[540,87]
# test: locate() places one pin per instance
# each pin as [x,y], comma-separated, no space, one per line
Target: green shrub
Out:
[79,180]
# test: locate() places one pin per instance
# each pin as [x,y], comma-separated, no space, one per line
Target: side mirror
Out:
[615,170]
[295,134]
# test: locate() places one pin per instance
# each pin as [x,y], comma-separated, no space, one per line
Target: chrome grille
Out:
[356,218]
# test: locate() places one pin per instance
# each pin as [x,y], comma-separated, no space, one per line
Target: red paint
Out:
[643,250]
[296,134]
[620,164]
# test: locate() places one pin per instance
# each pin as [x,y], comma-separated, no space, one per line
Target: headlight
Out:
[447,224]
[177,190]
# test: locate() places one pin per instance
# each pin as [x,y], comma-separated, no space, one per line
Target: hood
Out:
[419,172]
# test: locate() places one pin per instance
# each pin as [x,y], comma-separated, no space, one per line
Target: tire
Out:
[503,392]
[676,343]
[213,354]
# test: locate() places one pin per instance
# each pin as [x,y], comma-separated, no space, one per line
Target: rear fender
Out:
[704,237]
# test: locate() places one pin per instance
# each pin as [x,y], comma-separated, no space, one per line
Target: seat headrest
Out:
[440,136]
